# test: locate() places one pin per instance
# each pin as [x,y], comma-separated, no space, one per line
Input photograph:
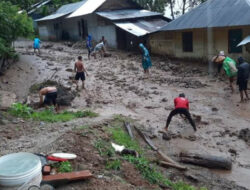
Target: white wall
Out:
[98,27]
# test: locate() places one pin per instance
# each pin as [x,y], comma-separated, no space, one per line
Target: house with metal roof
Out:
[213,26]
[123,23]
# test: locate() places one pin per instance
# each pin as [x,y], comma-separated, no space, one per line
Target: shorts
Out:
[50,97]
[80,75]
[243,85]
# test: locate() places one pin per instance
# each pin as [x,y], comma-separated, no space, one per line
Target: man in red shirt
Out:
[181,107]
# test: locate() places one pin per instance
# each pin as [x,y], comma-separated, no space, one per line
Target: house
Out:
[35,11]
[204,31]
[123,23]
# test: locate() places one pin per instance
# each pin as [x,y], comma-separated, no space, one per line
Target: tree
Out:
[23,4]
[12,26]
[153,5]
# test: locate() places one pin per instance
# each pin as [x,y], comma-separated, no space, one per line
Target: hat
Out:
[222,53]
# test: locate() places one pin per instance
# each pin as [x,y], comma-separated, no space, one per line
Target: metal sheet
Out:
[88,7]
[141,27]
[132,28]
[64,10]
[126,14]
[214,13]
[244,42]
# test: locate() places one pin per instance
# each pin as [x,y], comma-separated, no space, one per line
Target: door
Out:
[234,38]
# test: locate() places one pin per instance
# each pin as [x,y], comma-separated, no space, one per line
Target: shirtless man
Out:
[50,94]
[80,72]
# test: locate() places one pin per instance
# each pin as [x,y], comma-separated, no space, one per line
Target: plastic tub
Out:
[18,168]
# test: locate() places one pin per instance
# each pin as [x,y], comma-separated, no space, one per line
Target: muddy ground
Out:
[117,85]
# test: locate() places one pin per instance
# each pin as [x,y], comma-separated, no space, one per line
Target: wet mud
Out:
[117,85]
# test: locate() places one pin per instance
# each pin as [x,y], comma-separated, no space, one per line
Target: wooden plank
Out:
[72,176]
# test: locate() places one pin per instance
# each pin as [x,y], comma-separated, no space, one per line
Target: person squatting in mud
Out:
[146,60]
[50,94]
[181,107]
[80,72]
[242,78]
[99,48]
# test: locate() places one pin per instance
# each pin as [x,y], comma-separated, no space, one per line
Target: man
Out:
[36,45]
[99,48]
[242,77]
[219,60]
[50,94]
[89,45]
[181,107]
[80,72]
[229,65]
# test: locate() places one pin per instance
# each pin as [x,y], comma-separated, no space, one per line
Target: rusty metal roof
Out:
[214,13]
[127,14]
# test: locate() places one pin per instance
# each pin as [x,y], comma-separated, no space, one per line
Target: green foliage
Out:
[104,148]
[59,3]
[63,167]
[12,26]
[153,5]
[113,165]
[20,110]
[23,4]
[123,138]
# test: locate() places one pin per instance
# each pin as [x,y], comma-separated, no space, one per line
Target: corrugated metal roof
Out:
[64,10]
[142,27]
[126,14]
[88,7]
[244,42]
[214,13]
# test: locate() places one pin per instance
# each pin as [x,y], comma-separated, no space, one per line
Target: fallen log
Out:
[171,162]
[147,139]
[208,161]
[168,164]
[128,127]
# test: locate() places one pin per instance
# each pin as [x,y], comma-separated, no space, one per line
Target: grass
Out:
[113,164]
[147,169]
[23,111]
[63,167]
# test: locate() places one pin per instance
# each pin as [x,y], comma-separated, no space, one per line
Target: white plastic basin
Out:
[18,168]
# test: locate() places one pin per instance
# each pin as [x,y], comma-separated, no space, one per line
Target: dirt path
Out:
[117,85]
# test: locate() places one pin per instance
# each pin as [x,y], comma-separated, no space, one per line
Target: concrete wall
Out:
[96,26]
[206,43]
[99,27]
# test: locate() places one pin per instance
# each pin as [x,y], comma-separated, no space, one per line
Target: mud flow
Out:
[117,85]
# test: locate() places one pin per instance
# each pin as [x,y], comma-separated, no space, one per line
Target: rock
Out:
[191,138]
[245,135]
[164,100]
[232,151]
[214,109]
[69,70]
[47,46]
[60,48]
[166,136]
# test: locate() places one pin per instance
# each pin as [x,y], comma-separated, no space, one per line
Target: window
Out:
[234,38]
[187,41]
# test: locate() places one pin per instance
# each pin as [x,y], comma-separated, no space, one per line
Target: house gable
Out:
[119,4]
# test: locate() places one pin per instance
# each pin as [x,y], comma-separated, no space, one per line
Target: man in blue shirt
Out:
[36,45]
